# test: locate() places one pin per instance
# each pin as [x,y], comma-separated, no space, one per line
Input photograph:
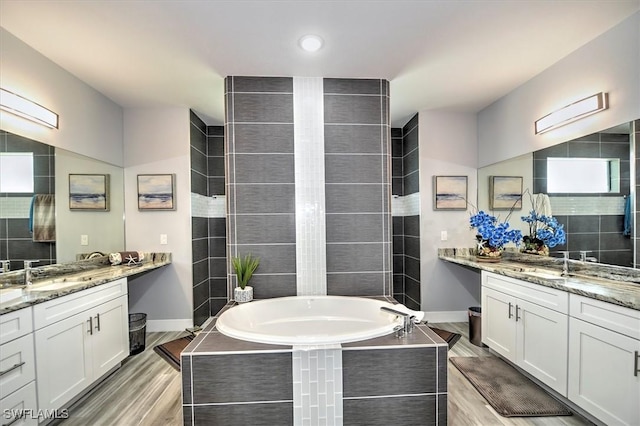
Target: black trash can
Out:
[137,333]
[475,325]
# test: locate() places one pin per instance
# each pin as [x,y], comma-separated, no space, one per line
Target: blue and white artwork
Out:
[156,192]
[506,192]
[450,192]
[88,192]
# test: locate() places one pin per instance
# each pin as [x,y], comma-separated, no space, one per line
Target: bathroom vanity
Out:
[578,335]
[62,335]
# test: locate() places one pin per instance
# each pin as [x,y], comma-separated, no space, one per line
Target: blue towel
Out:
[627,217]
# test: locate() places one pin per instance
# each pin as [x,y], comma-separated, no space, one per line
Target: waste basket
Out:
[475,325]
[137,333]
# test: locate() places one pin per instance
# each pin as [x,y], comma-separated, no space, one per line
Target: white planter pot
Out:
[243,295]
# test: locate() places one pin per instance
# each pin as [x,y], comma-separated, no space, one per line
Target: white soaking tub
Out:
[309,320]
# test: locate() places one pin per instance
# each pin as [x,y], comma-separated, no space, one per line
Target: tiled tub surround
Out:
[386,380]
[87,274]
[612,284]
[264,184]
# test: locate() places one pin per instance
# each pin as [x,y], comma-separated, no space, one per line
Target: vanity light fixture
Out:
[311,43]
[25,108]
[572,112]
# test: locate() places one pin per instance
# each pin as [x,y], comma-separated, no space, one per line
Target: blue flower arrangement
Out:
[492,234]
[544,231]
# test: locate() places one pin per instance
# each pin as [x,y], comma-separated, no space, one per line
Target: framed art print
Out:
[156,192]
[505,192]
[89,192]
[450,192]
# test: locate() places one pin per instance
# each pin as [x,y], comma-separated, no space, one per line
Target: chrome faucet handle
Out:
[583,255]
[29,263]
[5,265]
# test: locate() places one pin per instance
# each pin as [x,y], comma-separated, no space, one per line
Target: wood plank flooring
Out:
[147,391]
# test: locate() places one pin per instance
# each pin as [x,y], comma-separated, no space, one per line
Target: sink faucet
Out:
[5,266]
[27,271]
[565,263]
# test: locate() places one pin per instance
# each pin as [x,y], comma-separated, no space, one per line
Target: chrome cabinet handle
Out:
[2,373]
[517,313]
[98,322]
[636,357]
[510,313]
[90,321]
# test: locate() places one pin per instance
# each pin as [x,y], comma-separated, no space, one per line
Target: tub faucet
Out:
[407,320]
[565,263]
[5,266]
[28,270]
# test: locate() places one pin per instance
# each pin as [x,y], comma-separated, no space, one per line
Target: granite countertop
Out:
[613,284]
[71,277]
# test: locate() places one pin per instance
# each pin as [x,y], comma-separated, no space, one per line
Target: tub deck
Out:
[380,381]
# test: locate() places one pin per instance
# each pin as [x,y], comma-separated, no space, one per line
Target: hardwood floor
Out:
[147,391]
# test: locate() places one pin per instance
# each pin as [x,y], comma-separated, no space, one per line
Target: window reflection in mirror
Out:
[583,175]
[16,172]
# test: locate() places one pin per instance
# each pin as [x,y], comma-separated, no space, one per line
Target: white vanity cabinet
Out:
[604,360]
[78,339]
[17,368]
[527,324]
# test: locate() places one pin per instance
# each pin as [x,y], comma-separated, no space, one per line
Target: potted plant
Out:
[544,233]
[244,268]
[492,235]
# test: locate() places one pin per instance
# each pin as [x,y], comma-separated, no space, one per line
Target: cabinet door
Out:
[62,361]
[20,408]
[110,338]
[602,376]
[542,344]
[498,322]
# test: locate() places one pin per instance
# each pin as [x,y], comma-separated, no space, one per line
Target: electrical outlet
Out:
[443,235]
[163,239]
[84,240]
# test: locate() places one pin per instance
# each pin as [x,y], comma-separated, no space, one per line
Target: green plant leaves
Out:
[245,267]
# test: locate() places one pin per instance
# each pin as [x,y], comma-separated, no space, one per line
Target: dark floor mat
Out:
[170,351]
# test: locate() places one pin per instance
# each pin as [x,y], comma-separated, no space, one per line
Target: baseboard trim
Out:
[168,325]
[446,316]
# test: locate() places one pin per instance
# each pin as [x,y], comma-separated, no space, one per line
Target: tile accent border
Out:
[408,205]
[308,119]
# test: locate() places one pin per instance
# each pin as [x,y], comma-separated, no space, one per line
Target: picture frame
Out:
[505,192]
[156,192]
[450,192]
[89,192]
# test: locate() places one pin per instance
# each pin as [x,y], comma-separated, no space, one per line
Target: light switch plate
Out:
[443,236]
[163,239]
[84,240]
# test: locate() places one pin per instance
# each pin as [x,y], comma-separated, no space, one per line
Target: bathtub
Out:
[308,320]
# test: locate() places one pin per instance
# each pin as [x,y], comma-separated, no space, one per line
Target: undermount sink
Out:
[544,275]
[61,285]
[9,294]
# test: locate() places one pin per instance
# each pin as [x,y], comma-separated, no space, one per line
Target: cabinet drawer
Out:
[17,365]
[548,297]
[612,317]
[64,307]
[23,401]
[15,324]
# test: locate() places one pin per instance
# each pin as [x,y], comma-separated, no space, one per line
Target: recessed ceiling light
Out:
[311,43]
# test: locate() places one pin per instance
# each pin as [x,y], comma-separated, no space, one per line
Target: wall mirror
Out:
[596,219]
[104,230]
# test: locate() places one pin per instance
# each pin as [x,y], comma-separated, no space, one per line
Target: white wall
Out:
[90,123]
[609,63]
[157,141]
[448,146]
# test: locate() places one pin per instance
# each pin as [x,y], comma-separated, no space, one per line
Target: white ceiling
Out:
[448,54]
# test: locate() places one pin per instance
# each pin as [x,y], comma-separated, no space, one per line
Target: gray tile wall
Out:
[260,188]
[209,270]
[600,234]
[16,242]
[357,186]
[406,230]
[635,143]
